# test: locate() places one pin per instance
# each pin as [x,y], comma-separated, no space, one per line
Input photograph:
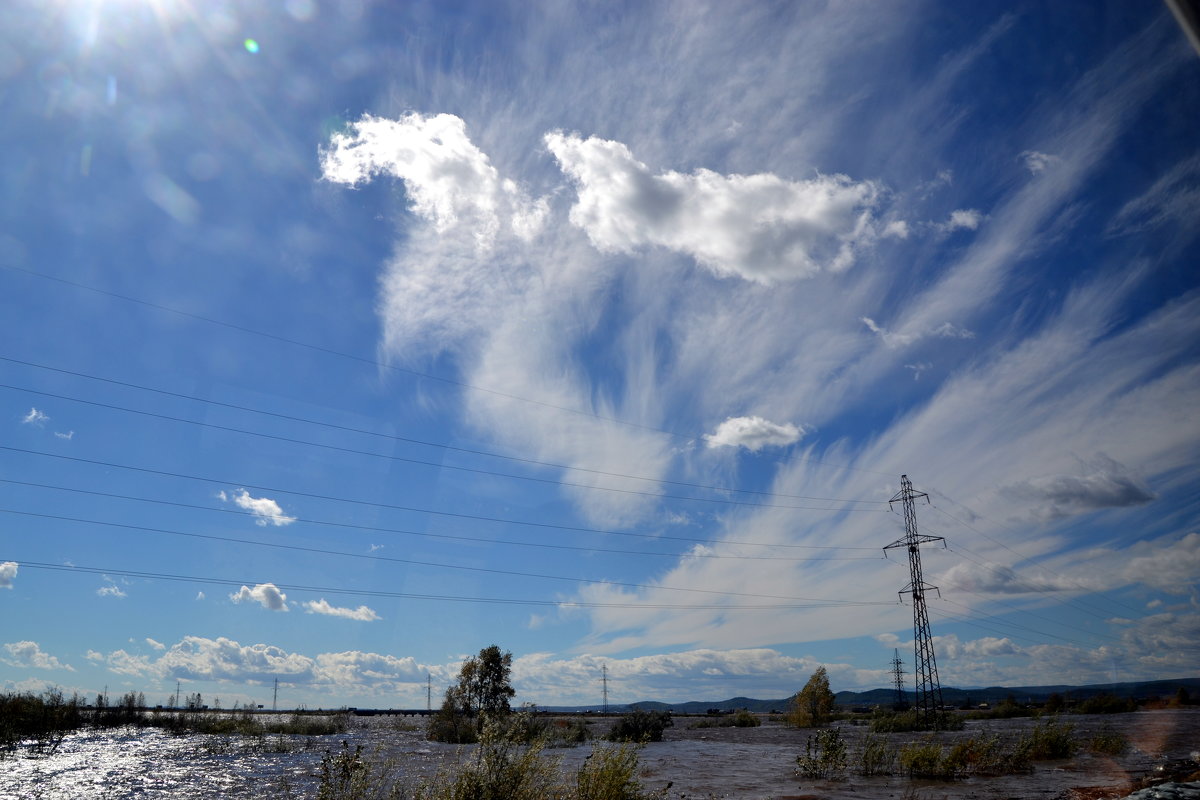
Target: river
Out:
[697,762]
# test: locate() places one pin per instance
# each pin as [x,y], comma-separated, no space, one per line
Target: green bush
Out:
[912,720]
[741,719]
[609,774]
[1109,743]
[1106,704]
[641,726]
[1048,740]
[923,760]
[824,755]
[877,756]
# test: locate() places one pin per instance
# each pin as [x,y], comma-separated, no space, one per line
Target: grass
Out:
[912,720]
[1109,743]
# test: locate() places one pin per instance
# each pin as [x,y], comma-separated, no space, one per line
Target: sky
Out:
[342,339]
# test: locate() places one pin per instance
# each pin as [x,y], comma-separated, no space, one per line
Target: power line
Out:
[413,562]
[404,459]
[409,440]
[426,534]
[393,507]
[145,575]
[384,365]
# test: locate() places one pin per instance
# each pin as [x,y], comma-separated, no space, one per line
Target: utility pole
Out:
[900,703]
[178,696]
[275,696]
[604,678]
[929,690]
[429,691]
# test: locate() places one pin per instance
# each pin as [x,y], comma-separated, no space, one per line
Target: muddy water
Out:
[698,763]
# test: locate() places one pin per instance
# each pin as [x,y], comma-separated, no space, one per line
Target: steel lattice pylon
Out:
[900,703]
[929,689]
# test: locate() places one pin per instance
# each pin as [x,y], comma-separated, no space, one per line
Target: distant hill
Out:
[951,695]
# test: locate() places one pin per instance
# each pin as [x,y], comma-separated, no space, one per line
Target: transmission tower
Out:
[900,704]
[429,691]
[929,690]
[604,678]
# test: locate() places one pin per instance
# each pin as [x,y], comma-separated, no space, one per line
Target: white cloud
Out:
[69,435]
[753,433]
[8,573]
[322,606]
[897,229]
[892,339]
[110,589]
[29,654]
[961,219]
[35,417]
[758,227]
[200,595]
[1172,568]
[155,644]
[265,594]
[449,180]
[264,508]
[1037,162]
[1172,199]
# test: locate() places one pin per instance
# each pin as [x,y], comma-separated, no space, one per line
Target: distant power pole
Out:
[275,697]
[898,676]
[929,690]
[429,691]
[604,678]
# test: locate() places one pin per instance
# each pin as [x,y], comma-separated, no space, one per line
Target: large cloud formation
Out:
[759,227]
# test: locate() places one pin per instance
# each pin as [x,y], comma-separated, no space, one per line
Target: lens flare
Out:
[251,45]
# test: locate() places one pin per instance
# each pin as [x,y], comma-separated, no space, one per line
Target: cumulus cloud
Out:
[322,606]
[111,590]
[450,182]
[962,219]
[29,654]
[753,433]
[1109,484]
[758,227]
[1173,568]
[995,579]
[155,644]
[264,508]
[265,594]
[896,228]
[35,417]
[8,574]
[1037,162]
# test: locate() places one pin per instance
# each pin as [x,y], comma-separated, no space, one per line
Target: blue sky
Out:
[343,339]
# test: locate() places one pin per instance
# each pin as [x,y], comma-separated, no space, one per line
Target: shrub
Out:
[742,719]
[641,726]
[913,720]
[1047,740]
[1106,704]
[923,760]
[824,755]
[877,757]
[1108,742]
[608,774]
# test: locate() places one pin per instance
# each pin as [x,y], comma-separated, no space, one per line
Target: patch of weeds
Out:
[641,726]
[824,755]
[740,719]
[913,720]
[609,774]
[1048,740]
[1109,743]
[923,760]
[877,757]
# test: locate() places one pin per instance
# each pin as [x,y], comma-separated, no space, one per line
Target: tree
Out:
[482,691]
[813,706]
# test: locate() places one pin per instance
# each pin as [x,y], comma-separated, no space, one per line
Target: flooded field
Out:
[697,763]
